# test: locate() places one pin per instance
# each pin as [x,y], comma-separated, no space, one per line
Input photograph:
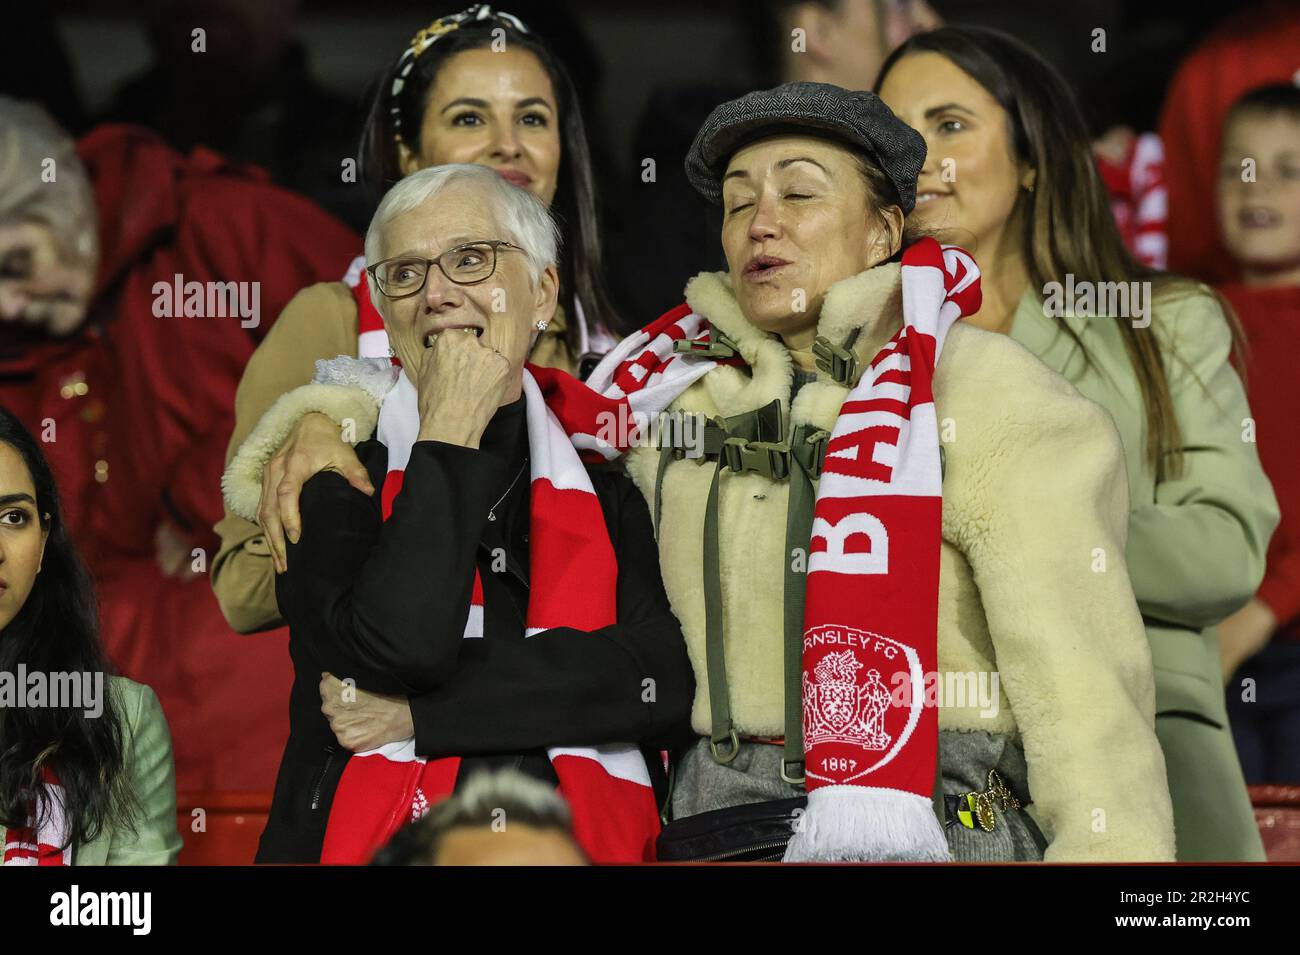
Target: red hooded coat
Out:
[136,409]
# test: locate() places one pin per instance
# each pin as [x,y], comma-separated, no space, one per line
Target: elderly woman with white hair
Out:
[436,624]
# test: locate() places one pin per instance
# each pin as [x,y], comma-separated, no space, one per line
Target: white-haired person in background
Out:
[497,818]
[486,526]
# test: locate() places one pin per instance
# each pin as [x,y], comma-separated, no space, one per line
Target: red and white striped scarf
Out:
[573,583]
[39,844]
[871,605]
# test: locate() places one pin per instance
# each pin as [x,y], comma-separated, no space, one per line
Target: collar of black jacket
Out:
[506,436]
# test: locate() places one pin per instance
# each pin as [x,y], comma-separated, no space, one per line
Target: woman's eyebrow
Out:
[466,101]
[784,163]
[934,111]
[20,498]
[533,101]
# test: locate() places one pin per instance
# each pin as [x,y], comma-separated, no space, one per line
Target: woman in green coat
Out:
[1009,175]
[86,772]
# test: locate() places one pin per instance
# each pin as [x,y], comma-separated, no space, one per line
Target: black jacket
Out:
[385,602]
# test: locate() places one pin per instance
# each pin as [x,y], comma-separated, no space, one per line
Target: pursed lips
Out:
[762,267]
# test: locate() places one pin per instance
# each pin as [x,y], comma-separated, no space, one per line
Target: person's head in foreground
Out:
[497,818]
[458,252]
[1259,185]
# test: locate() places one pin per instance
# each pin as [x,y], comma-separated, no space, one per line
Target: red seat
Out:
[220,828]
[1277,811]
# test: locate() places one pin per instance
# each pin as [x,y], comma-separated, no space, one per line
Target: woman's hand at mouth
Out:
[461,383]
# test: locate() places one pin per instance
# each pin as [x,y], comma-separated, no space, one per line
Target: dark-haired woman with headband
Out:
[85,781]
[474,87]
[1009,175]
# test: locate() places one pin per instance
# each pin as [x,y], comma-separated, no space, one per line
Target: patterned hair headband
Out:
[430,35]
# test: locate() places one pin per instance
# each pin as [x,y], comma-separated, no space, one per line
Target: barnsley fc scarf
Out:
[39,843]
[573,583]
[871,608]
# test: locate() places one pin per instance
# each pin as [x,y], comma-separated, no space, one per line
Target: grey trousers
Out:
[701,784]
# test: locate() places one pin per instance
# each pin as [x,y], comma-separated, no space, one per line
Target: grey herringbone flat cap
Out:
[858,119]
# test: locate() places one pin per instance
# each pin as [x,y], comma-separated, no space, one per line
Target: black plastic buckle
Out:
[840,363]
[768,458]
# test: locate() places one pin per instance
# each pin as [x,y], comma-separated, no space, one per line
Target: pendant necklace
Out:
[492,510]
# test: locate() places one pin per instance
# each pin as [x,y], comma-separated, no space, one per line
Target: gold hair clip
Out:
[423,38]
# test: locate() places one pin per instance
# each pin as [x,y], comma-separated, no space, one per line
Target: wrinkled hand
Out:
[462,382]
[361,720]
[1244,634]
[314,445]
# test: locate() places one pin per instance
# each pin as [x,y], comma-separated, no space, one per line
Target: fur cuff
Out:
[352,394]
[861,824]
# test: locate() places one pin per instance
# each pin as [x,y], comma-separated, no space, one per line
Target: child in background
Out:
[1259,221]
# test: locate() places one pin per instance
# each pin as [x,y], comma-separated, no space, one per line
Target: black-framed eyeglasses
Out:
[466,264]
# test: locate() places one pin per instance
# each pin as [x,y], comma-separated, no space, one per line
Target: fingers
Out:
[287,493]
[268,513]
[356,474]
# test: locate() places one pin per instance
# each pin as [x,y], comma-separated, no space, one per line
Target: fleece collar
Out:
[871,300]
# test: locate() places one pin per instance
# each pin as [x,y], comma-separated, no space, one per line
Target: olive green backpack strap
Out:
[722,730]
[807,448]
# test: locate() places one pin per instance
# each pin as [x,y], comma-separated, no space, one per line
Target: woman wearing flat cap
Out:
[897,549]
[934,569]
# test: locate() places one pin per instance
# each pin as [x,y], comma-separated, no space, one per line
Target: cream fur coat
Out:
[1032,585]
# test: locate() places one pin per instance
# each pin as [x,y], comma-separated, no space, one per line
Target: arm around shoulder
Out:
[319,322]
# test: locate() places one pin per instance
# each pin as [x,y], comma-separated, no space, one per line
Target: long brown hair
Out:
[582,260]
[1067,222]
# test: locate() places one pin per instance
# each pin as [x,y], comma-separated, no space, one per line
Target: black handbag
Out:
[757,832]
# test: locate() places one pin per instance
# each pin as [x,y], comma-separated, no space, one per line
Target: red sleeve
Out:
[1281,586]
[234,229]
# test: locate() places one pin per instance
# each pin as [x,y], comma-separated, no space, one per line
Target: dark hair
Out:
[1271,99]
[56,631]
[1067,223]
[581,265]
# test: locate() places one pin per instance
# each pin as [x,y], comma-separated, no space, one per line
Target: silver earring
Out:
[391,353]
[541,326]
